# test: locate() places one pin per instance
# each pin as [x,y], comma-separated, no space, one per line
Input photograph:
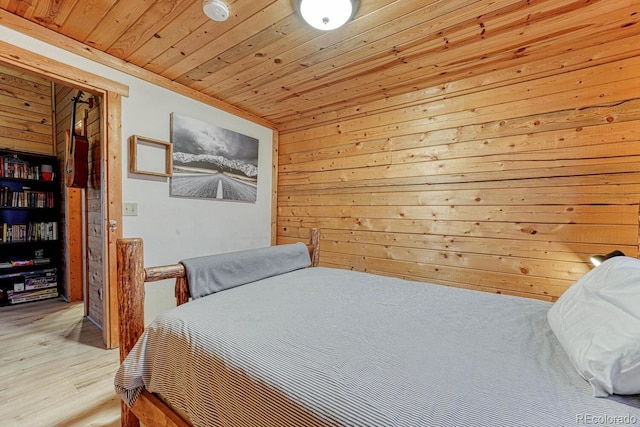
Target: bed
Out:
[327,347]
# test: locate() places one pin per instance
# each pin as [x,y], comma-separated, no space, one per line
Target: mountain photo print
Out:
[211,162]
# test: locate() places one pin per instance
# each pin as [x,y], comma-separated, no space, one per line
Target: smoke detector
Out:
[215,9]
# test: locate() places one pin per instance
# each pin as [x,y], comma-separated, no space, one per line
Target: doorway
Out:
[110,146]
[82,207]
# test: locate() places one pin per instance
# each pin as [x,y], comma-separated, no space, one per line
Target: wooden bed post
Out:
[130,289]
[181,291]
[315,243]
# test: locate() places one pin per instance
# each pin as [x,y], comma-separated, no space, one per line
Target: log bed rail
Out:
[131,279]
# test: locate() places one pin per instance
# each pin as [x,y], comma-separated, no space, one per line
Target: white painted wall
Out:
[174,228]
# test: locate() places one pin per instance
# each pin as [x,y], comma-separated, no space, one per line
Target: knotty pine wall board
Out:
[563,128]
[26,112]
[575,90]
[528,213]
[460,244]
[506,188]
[568,234]
[516,283]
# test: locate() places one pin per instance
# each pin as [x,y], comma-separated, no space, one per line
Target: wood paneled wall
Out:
[72,207]
[505,182]
[26,112]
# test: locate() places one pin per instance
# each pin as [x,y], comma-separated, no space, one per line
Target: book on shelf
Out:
[34,279]
[25,262]
[20,262]
[13,166]
[31,232]
[35,295]
[32,273]
[23,284]
[26,198]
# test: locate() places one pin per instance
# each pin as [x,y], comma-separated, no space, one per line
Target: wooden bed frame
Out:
[132,276]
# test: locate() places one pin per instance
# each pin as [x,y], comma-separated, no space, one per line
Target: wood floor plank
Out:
[54,368]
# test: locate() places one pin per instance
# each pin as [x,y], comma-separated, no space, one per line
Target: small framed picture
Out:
[150,157]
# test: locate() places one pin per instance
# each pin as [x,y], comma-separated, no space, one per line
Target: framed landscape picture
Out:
[212,162]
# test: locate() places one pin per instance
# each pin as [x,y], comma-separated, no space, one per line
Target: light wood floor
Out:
[54,369]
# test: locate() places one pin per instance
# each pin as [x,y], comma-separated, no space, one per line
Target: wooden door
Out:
[112,208]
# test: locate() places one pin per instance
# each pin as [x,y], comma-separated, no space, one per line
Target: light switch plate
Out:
[129,209]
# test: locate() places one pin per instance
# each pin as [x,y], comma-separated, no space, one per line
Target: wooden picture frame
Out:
[158,159]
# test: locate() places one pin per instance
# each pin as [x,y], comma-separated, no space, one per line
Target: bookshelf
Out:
[29,227]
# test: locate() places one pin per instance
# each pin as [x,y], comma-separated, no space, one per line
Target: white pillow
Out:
[597,321]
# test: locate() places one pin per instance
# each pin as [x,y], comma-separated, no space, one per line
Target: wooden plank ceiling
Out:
[267,61]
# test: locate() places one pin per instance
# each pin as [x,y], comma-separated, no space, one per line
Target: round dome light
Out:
[326,14]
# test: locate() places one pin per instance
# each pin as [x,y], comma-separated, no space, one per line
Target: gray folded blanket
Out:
[214,273]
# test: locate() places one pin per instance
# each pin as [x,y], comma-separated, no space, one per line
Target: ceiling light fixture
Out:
[215,9]
[327,14]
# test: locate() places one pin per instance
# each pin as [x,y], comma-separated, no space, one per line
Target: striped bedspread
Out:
[324,346]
